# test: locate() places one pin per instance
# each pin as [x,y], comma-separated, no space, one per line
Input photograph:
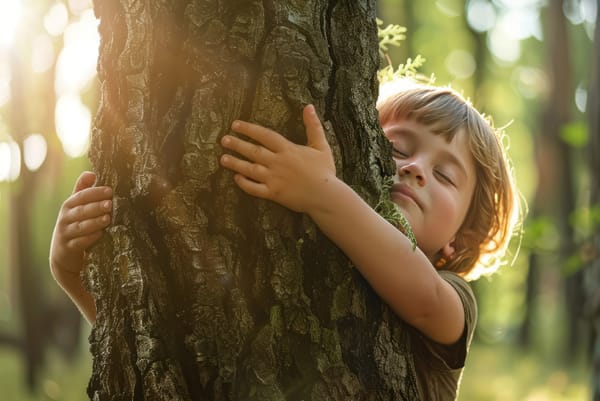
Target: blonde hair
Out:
[483,237]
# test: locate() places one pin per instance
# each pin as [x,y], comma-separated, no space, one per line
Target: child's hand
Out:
[81,222]
[279,170]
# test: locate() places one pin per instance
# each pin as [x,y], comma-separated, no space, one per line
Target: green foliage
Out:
[391,35]
[573,264]
[586,220]
[541,234]
[575,134]
[405,226]
[407,70]
[390,211]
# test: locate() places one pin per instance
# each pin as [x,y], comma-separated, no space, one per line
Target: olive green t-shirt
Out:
[439,367]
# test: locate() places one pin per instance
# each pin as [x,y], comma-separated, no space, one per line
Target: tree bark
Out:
[203,293]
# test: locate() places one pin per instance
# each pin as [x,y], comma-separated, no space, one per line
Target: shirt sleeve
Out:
[453,356]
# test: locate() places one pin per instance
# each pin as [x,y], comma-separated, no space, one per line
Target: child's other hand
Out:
[279,170]
[81,222]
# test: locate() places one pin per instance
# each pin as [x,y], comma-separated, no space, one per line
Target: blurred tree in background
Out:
[33,88]
[590,249]
[526,63]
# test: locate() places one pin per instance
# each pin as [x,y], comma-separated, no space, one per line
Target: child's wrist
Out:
[68,280]
[60,269]
[325,200]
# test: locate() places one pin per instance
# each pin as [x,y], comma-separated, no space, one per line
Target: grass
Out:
[504,373]
[62,380]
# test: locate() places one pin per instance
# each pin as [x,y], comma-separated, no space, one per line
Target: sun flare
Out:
[10,15]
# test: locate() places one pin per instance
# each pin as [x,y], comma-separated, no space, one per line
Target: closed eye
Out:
[397,152]
[445,177]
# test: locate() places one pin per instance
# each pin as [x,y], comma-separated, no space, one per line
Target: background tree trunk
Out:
[26,273]
[555,181]
[591,250]
[202,292]
[43,321]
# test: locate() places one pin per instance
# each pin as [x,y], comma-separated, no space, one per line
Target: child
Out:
[81,221]
[453,185]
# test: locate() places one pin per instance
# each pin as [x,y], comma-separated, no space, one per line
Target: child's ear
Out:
[445,255]
[448,250]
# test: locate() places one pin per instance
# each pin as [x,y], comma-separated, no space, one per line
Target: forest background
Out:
[527,63]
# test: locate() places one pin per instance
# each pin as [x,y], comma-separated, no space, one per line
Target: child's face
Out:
[434,183]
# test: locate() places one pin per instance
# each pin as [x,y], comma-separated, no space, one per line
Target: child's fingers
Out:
[254,171]
[250,151]
[315,134]
[82,243]
[86,227]
[85,211]
[253,188]
[89,195]
[266,137]
[85,180]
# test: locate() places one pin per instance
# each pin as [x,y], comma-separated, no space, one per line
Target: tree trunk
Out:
[42,322]
[204,293]
[29,293]
[555,174]
[591,279]
[480,54]
[558,115]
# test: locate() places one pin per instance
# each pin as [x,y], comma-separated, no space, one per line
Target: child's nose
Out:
[412,169]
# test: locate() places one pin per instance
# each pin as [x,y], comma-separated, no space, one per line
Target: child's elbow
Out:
[440,317]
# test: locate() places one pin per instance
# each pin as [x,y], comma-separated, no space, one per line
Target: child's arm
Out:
[303,179]
[80,223]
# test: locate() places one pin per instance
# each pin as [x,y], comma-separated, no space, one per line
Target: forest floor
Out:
[505,373]
[493,373]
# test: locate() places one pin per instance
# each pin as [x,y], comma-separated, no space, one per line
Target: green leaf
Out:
[406,70]
[575,134]
[391,35]
[572,265]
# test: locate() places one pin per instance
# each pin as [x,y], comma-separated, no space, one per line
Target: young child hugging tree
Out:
[453,185]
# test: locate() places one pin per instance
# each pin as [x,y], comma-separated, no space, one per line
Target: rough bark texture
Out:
[204,293]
